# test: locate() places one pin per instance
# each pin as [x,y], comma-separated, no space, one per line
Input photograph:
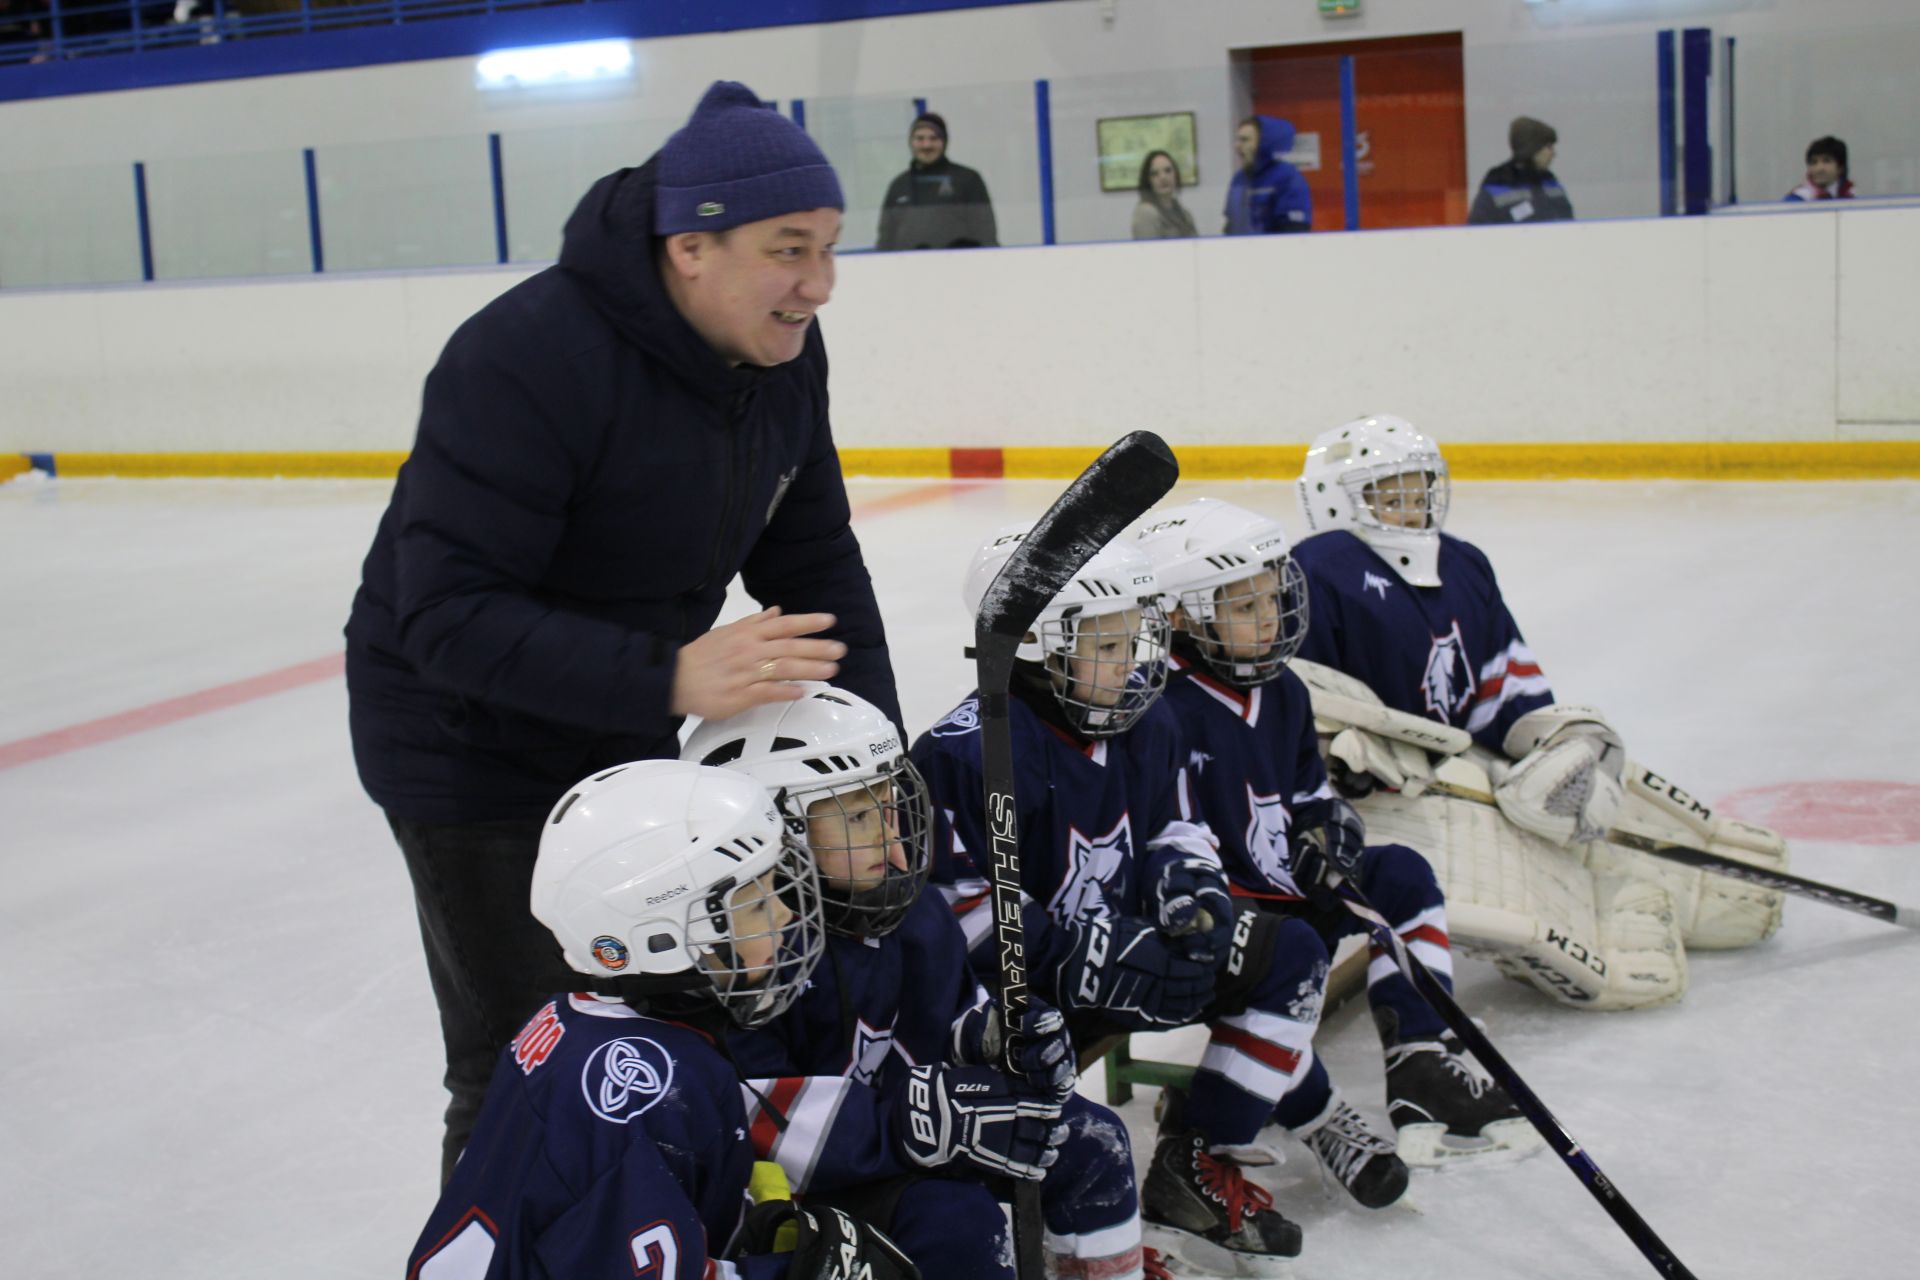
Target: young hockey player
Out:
[1411,619]
[613,1139]
[894,1007]
[1128,923]
[1239,613]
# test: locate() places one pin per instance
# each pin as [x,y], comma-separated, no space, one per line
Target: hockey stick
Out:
[1719,864]
[1109,495]
[1502,1071]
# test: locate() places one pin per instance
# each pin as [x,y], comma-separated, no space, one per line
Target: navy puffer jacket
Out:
[588,477]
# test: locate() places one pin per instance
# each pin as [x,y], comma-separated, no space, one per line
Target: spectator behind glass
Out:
[936,204]
[1268,195]
[1524,188]
[1160,215]
[1826,172]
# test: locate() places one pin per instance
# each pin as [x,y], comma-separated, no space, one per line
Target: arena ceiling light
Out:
[539,66]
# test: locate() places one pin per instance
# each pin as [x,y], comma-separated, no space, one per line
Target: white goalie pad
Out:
[1565,782]
[1715,912]
[1538,911]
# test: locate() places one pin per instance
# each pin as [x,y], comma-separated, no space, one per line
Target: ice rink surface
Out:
[223,1055]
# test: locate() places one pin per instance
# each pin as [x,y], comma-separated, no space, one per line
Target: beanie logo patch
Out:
[710,209]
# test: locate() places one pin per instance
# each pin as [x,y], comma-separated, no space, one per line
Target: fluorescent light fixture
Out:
[552,64]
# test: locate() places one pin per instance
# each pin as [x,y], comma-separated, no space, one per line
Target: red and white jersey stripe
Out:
[1262,1053]
[1511,673]
[1427,941]
[808,1105]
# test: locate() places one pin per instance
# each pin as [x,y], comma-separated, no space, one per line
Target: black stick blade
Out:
[1120,486]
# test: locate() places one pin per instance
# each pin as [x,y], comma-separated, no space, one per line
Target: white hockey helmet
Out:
[1100,699]
[1200,547]
[1368,453]
[650,876]
[834,755]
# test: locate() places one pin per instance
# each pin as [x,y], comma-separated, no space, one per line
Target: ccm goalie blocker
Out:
[1590,939]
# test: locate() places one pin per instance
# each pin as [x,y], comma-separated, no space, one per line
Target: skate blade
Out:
[1430,1146]
[1190,1255]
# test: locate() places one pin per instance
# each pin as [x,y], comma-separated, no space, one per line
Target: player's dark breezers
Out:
[1596,1182]
[1120,486]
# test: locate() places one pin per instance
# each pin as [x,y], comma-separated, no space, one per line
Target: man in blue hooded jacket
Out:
[601,449]
[1268,196]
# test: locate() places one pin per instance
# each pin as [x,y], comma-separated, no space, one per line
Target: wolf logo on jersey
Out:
[1448,682]
[871,1045]
[959,722]
[624,1077]
[1092,868]
[1267,835]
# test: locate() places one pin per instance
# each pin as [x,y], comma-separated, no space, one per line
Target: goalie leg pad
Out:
[1716,912]
[1537,910]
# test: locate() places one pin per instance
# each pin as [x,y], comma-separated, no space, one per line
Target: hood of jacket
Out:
[1276,139]
[608,248]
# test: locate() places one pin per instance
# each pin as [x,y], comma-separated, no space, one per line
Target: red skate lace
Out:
[1153,1266]
[1225,1183]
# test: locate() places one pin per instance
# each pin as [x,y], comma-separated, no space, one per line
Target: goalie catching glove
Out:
[1042,1051]
[976,1114]
[829,1244]
[1565,784]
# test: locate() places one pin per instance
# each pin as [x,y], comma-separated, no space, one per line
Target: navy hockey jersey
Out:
[1254,769]
[610,1144]
[1451,653]
[828,1070]
[1092,816]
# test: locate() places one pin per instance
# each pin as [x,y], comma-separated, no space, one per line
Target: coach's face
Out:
[751,291]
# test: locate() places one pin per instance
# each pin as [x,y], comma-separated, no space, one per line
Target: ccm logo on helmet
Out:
[1174,523]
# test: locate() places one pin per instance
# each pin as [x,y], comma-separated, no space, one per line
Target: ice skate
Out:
[1201,1208]
[1359,1159]
[1447,1110]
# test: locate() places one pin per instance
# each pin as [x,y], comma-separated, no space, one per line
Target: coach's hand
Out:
[752,661]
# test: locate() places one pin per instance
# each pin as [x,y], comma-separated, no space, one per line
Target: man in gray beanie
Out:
[600,450]
[1523,188]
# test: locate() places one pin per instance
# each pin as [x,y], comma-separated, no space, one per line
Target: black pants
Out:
[491,963]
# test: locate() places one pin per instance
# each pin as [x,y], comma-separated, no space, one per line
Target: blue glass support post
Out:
[799,112]
[499,197]
[135,26]
[59,28]
[919,106]
[1733,165]
[1663,45]
[1349,143]
[1696,147]
[1043,131]
[140,216]
[313,213]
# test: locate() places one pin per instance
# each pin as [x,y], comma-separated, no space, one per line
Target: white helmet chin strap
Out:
[1413,553]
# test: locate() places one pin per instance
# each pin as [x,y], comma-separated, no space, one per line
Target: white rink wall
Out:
[1796,326]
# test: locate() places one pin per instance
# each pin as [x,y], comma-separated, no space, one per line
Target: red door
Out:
[1410,125]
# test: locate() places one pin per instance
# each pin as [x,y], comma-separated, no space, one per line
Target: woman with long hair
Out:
[1160,215]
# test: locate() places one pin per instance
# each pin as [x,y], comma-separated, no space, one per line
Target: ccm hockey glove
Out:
[830,1244]
[1123,967]
[1191,904]
[949,1113]
[1337,845]
[1042,1052]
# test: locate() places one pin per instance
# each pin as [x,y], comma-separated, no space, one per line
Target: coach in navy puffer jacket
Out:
[590,473]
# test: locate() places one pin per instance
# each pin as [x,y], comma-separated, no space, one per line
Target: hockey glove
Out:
[1122,967]
[831,1245]
[1191,904]
[1335,845]
[976,1114]
[1042,1053]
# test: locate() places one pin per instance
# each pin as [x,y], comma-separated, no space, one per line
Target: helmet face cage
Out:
[1106,696]
[1416,484]
[885,815]
[1206,609]
[771,933]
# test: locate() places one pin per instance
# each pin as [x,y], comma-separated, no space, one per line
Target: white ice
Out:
[223,1056]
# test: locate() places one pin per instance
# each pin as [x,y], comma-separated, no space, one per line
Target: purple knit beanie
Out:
[738,161]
